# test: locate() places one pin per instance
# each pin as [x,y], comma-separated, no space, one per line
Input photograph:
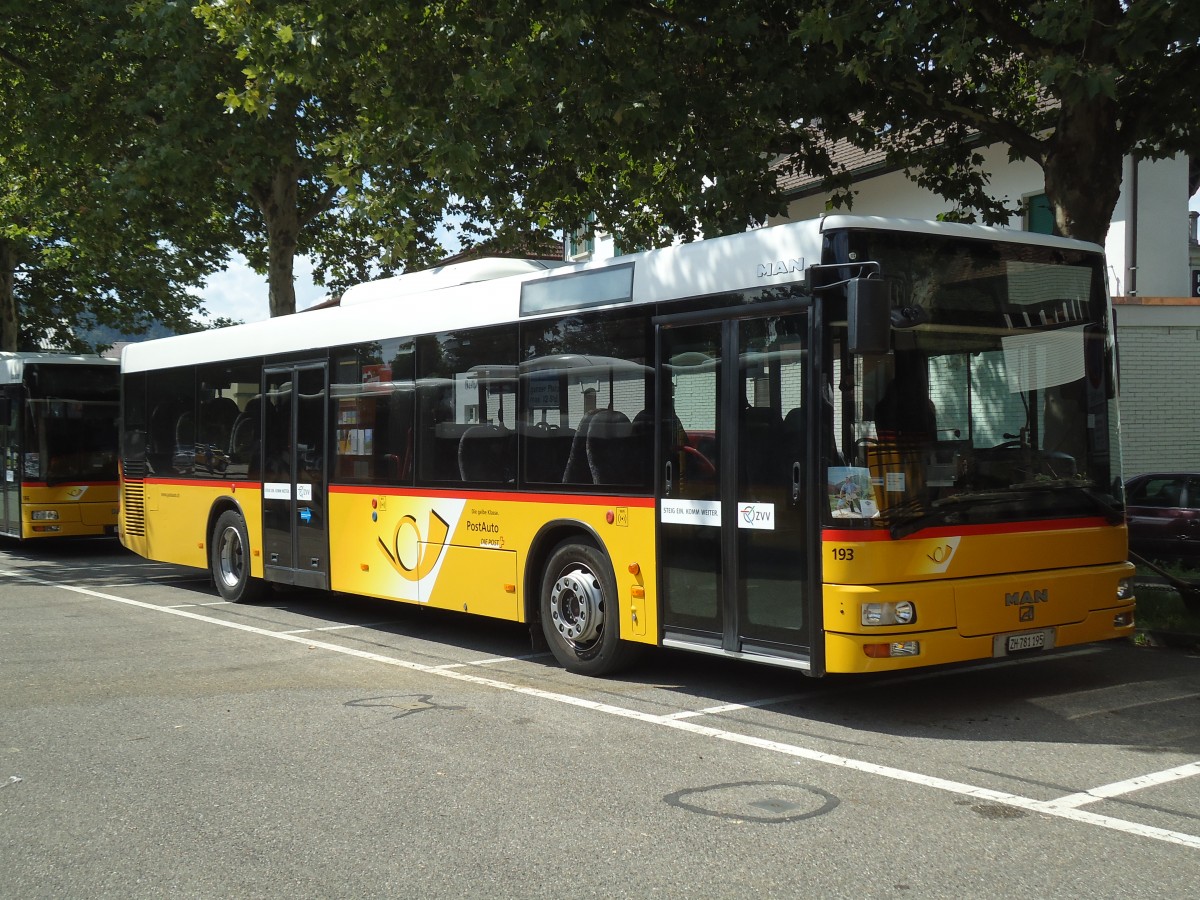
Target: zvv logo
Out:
[757,515]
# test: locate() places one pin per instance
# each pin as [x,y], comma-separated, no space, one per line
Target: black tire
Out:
[229,560]
[580,616]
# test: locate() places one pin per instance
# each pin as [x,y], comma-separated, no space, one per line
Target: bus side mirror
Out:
[869,311]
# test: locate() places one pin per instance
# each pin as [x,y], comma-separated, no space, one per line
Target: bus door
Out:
[733,511]
[295,505]
[10,488]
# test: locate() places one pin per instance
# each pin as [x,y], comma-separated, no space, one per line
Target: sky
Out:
[240,294]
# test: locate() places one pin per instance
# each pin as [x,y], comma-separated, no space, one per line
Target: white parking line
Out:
[492,661]
[1128,786]
[1134,705]
[1070,813]
[732,707]
[338,627]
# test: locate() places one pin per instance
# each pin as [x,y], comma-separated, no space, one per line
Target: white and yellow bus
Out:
[58,435]
[846,445]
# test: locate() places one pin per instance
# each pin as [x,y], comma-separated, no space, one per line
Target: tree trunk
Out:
[1083,169]
[10,319]
[281,214]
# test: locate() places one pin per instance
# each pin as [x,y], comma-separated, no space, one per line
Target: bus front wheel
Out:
[229,560]
[580,616]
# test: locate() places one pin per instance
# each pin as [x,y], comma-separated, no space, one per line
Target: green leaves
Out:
[356,132]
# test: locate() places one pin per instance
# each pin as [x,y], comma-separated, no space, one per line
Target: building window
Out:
[1039,214]
[581,243]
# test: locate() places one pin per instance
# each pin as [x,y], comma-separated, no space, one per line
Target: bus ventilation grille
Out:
[133,499]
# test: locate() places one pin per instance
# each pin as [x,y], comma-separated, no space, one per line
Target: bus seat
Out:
[545,450]
[577,471]
[642,428]
[216,420]
[183,459]
[610,450]
[484,454]
[162,436]
[761,430]
[795,430]
[243,437]
[906,411]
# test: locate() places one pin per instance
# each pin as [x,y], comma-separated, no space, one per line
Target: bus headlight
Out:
[44,515]
[899,613]
[1125,589]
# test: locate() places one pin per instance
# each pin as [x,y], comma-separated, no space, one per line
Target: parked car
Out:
[1163,512]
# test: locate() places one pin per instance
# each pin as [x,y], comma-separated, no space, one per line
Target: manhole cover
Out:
[756,801]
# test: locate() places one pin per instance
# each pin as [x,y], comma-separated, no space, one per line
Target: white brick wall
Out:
[1160,397]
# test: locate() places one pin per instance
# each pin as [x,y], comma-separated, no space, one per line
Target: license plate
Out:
[1023,642]
[1019,642]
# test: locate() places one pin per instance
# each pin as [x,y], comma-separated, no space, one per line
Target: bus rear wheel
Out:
[580,616]
[229,560]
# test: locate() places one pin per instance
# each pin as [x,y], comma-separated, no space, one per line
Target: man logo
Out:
[780,267]
[1026,614]
[1025,598]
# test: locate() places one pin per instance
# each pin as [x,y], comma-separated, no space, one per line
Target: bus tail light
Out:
[895,648]
[47,529]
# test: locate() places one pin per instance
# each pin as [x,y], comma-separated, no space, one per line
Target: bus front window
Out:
[71,424]
[996,406]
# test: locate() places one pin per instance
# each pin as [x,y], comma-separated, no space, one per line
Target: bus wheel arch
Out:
[544,543]
[578,606]
[229,556]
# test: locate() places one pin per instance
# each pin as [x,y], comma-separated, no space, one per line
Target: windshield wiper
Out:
[1112,512]
[945,509]
[919,523]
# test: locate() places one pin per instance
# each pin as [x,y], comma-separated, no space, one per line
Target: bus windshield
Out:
[996,403]
[71,423]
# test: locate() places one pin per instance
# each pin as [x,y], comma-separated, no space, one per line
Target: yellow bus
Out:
[847,445]
[58,434]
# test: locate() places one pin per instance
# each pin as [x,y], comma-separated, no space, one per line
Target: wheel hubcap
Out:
[577,606]
[230,557]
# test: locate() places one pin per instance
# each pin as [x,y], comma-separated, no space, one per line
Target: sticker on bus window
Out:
[851,494]
[691,512]
[276,491]
[758,516]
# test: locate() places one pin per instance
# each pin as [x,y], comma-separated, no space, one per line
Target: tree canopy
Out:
[350,133]
[1072,85]
[81,242]
[663,113]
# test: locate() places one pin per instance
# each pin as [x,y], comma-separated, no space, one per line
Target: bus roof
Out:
[12,365]
[483,292]
[439,277]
